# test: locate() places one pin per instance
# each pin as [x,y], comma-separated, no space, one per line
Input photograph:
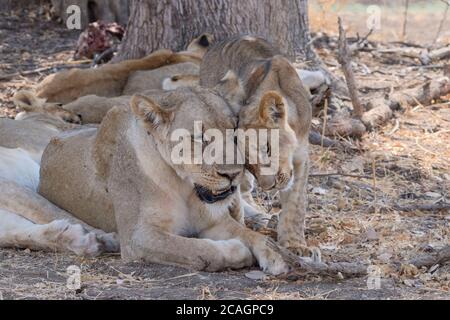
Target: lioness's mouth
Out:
[208,196]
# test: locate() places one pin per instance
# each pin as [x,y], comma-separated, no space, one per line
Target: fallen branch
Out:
[423,207]
[303,265]
[431,259]
[435,55]
[315,138]
[424,95]
[341,126]
[379,113]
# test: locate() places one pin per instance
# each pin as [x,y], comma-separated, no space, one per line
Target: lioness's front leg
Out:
[152,244]
[35,208]
[291,225]
[263,248]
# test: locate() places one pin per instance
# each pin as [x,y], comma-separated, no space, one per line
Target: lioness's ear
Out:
[272,109]
[150,112]
[27,101]
[205,40]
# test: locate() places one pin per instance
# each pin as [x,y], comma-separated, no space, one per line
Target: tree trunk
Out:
[172,24]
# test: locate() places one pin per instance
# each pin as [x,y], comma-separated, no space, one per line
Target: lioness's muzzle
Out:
[208,196]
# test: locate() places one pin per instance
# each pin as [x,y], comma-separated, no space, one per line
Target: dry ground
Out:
[350,219]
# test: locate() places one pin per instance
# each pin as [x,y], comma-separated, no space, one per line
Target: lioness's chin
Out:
[208,196]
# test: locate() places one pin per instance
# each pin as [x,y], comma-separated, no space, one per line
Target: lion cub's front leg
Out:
[291,225]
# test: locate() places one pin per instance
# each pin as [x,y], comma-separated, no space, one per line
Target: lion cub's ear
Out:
[272,110]
[150,112]
[27,101]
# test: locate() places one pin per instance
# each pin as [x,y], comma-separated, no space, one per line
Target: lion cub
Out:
[268,77]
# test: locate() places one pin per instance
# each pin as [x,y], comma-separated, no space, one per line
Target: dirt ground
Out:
[350,218]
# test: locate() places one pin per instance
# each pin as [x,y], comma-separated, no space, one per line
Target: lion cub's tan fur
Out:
[261,70]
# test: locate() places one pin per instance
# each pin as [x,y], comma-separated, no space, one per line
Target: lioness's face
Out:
[191,129]
[271,117]
[28,103]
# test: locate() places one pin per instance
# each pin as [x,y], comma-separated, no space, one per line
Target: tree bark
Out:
[172,24]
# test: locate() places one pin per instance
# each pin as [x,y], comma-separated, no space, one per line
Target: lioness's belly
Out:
[68,179]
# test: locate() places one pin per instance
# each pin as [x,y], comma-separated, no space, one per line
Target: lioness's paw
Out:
[236,255]
[272,262]
[110,241]
[75,238]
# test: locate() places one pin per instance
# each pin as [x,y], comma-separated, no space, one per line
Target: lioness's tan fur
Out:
[141,81]
[122,177]
[110,79]
[107,81]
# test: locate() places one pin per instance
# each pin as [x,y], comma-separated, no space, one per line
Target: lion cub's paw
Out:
[300,248]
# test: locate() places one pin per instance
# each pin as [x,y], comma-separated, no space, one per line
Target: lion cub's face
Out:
[270,116]
[188,125]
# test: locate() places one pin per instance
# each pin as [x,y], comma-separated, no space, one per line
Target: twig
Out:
[326,174]
[405,19]
[344,60]
[441,25]
[325,114]
[396,127]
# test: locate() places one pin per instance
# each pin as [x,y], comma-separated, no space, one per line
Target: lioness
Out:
[123,177]
[27,219]
[261,70]
[35,125]
[110,80]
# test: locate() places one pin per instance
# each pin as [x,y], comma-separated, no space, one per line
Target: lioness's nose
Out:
[229,175]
